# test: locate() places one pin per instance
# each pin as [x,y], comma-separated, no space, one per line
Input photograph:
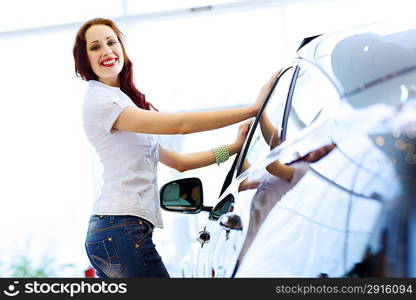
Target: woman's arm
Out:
[144,121]
[277,169]
[286,172]
[281,171]
[184,162]
[270,134]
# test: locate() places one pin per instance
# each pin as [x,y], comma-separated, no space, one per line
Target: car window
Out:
[314,98]
[260,144]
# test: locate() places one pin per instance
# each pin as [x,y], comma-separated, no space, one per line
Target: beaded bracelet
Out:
[221,154]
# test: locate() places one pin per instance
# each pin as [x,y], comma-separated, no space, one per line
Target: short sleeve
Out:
[102,108]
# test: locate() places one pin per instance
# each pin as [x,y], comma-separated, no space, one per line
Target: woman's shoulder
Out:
[97,90]
[96,87]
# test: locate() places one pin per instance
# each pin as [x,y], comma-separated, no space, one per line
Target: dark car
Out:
[324,185]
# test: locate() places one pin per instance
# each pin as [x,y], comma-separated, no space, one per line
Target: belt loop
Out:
[111,219]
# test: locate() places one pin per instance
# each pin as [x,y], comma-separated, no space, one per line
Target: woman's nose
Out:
[107,50]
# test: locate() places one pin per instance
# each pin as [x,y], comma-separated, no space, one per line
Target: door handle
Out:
[203,237]
[231,221]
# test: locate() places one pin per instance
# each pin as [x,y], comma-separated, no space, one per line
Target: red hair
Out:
[84,70]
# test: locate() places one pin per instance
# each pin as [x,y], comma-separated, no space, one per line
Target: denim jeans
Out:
[122,247]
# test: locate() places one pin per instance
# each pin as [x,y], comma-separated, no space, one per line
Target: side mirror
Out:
[183,195]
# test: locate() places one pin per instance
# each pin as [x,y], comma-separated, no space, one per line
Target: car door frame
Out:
[237,166]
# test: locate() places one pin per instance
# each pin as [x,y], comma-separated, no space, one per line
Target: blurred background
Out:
[188,55]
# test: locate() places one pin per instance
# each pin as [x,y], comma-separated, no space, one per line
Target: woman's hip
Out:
[122,246]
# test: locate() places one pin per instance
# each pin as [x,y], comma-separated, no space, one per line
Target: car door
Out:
[211,232]
[321,226]
[225,252]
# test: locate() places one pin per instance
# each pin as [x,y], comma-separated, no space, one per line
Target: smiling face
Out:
[105,54]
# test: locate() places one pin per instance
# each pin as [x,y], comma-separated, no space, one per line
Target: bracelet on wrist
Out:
[221,154]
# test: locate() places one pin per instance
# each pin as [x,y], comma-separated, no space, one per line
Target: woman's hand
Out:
[248,185]
[265,91]
[241,137]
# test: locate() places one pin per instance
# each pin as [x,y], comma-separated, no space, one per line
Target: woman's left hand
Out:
[241,136]
[265,91]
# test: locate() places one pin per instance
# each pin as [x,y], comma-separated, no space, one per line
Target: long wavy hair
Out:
[83,68]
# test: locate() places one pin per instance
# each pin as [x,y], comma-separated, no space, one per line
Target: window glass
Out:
[314,99]
[266,135]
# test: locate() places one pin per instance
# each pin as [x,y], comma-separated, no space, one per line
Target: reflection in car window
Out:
[314,98]
[259,146]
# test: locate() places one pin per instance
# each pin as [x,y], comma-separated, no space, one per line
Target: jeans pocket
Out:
[103,256]
[137,232]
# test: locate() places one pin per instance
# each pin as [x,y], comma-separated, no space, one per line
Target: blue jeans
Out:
[122,247]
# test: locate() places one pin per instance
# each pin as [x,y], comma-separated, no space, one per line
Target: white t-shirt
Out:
[129,159]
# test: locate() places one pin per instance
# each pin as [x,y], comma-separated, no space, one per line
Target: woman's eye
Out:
[94,48]
[111,43]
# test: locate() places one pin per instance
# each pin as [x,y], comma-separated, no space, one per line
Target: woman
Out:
[121,126]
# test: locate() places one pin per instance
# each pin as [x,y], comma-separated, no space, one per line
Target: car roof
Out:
[364,56]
